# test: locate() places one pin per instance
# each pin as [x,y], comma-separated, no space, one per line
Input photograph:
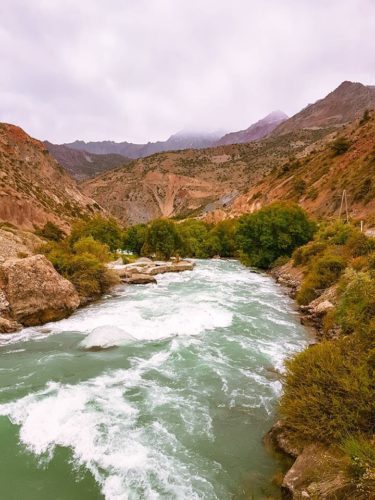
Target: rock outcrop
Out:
[34,293]
[317,471]
[143,270]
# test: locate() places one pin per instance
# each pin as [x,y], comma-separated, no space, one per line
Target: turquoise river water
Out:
[156,392]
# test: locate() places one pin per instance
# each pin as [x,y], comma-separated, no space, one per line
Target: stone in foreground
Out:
[36,293]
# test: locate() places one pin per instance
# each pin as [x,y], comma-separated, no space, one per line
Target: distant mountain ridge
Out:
[343,105]
[83,165]
[256,131]
[181,140]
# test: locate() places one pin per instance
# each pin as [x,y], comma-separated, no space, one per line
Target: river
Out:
[176,405]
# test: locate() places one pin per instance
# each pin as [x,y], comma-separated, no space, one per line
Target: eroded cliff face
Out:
[34,189]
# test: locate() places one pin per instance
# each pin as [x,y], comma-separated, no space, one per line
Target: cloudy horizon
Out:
[142,71]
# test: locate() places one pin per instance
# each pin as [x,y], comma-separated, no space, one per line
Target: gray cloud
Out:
[141,70]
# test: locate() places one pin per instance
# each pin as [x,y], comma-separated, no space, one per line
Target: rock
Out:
[145,266]
[279,438]
[139,279]
[318,472]
[289,277]
[9,326]
[323,307]
[35,291]
[116,263]
[143,260]
[170,267]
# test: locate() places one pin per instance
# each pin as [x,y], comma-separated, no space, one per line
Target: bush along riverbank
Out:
[327,410]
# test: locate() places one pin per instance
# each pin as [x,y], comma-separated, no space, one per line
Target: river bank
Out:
[307,475]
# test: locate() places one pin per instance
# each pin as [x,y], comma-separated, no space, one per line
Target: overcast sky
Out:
[141,70]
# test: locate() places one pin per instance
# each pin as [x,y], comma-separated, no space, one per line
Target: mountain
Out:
[346,103]
[81,164]
[317,176]
[256,131]
[193,181]
[34,188]
[181,140]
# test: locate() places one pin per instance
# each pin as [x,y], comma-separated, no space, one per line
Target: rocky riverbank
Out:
[308,476]
[312,315]
[144,270]
[32,292]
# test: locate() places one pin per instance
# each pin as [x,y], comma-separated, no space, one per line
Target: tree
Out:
[134,238]
[272,232]
[221,239]
[162,239]
[193,234]
[106,231]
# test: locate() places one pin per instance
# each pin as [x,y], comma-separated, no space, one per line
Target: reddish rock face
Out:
[34,188]
[36,293]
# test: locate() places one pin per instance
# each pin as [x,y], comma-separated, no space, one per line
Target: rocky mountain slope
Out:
[192,182]
[181,140]
[33,187]
[256,131]
[346,103]
[317,177]
[81,164]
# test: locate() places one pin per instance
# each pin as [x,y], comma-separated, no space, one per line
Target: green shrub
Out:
[365,117]
[90,246]
[84,269]
[356,307]
[105,231]
[336,233]
[340,146]
[299,186]
[329,392]
[50,232]
[323,272]
[361,468]
[273,231]
[303,255]
[359,244]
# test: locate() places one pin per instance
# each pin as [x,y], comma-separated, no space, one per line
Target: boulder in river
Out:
[139,279]
[35,291]
[130,273]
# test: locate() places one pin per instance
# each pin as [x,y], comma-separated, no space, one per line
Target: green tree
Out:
[221,240]
[272,232]
[162,239]
[193,234]
[106,231]
[134,238]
